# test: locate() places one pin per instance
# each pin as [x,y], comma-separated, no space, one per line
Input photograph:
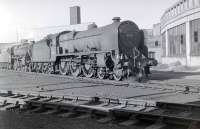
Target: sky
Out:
[19,16]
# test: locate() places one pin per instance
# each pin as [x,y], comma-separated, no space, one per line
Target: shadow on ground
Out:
[167,75]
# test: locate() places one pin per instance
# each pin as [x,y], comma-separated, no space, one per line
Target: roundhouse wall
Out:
[181,44]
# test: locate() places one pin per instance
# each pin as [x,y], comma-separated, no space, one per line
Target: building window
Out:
[196,36]
[182,39]
[163,42]
[176,39]
[152,54]
[195,46]
[156,43]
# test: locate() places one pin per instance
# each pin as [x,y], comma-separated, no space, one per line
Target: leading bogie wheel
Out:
[88,70]
[63,68]
[50,69]
[75,69]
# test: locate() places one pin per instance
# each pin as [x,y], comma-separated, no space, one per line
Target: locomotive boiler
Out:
[110,51]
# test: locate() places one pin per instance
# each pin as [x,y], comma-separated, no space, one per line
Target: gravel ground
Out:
[10,120]
[61,85]
[15,120]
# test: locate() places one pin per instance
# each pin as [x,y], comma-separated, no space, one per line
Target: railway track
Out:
[50,94]
[105,110]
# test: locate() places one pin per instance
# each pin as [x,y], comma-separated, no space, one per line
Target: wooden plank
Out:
[31,98]
[44,99]
[12,100]
[56,100]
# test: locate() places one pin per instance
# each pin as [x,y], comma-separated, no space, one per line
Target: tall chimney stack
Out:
[116,19]
[75,15]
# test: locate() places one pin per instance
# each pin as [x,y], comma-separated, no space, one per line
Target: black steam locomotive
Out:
[114,51]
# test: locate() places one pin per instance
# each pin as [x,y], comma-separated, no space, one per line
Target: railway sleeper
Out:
[104,112]
[180,107]
[10,106]
[167,119]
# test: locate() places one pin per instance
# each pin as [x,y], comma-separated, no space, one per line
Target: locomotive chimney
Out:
[116,19]
[75,15]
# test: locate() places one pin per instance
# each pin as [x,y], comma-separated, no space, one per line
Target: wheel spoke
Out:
[101,73]
[49,69]
[75,69]
[118,74]
[88,70]
[63,68]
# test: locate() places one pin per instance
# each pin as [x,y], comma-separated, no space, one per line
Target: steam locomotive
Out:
[114,51]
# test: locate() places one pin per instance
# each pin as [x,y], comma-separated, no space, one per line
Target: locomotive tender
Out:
[113,51]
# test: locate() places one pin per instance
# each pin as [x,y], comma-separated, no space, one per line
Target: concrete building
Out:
[152,39]
[180,28]
[75,15]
